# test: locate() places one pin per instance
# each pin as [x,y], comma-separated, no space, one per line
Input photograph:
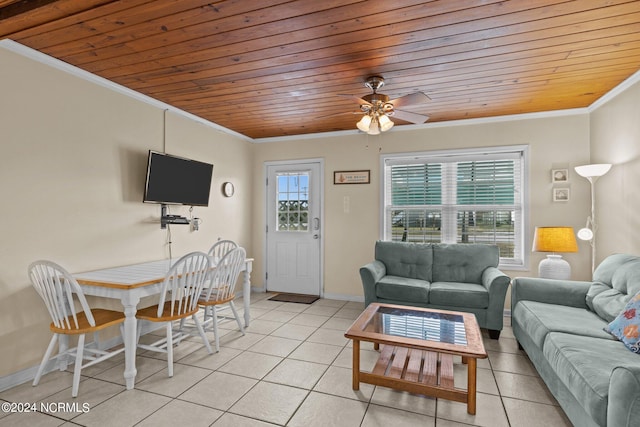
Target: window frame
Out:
[468,154]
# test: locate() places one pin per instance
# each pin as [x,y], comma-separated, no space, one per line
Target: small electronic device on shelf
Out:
[170,219]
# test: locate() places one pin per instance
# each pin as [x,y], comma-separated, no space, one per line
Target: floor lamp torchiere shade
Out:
[554,239]
[592,173]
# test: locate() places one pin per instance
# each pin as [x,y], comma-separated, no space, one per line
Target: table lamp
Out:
[554,239]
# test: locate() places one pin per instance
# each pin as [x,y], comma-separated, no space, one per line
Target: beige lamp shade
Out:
[554,239]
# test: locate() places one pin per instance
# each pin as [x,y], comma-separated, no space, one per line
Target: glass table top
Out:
[425,325]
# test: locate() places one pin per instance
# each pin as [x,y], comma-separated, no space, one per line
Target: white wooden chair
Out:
[221,248]
[61,293]
[183,285]
[221,291]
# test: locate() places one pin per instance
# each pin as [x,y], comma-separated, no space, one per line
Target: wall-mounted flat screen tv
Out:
[176,180]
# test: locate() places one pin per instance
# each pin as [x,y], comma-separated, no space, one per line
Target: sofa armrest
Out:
[370,275]
[624,397]
[495,280]
[552,291]
[497,284]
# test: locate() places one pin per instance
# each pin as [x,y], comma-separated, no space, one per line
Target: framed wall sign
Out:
[352,177]
[561,194]
[559,175]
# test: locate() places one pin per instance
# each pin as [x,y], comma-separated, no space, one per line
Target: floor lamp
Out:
[592,173]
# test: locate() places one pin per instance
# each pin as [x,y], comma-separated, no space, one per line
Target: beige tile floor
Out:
[293,368]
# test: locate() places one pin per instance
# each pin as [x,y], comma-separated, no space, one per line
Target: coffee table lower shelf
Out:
[417,371]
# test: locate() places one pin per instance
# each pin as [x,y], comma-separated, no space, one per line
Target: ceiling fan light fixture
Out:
[374,128]
[378,108]
[364,123]
[385,123]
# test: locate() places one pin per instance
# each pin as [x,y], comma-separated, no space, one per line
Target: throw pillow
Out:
[626,327]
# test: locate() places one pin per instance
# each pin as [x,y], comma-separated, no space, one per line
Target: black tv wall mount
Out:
[170,219]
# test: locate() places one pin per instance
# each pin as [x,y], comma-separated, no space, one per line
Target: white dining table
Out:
[129,284]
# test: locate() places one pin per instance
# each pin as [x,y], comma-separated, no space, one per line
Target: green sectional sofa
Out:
[560,325]
[458,277]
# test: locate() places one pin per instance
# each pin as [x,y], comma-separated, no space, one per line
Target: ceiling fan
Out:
[377,108]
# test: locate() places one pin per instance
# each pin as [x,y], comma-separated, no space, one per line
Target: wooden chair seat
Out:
[103,319]
[151,313]
[204,302]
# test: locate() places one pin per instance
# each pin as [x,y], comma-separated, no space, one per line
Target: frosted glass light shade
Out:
[585,234]
[374,129]
[364,123]
[594,170]
[385,123]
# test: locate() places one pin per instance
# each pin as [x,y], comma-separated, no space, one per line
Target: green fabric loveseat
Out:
[559,324]
[458,277]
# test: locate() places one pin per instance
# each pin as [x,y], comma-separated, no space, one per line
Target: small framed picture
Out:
[559,175]
[352,177]
[561,194]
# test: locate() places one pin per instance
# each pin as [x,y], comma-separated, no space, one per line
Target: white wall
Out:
[554,142]
[72,167]
[615,139]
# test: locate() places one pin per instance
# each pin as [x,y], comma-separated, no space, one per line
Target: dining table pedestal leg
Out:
[130,337]
[246,292]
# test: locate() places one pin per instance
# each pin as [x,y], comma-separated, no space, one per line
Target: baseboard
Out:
[28,374]
[343,297]
[354,298]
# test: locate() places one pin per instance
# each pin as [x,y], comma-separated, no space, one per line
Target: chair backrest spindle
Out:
[57,288]
[184,283]
[225,275]
[221,248]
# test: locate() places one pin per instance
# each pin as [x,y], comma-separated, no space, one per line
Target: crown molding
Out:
[626,84]
[25,51]
[451,123]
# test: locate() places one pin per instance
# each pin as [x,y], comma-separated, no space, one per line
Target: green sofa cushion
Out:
[403,289]
[412,260]
[617,280]
[458,294]
[538,319]
[463,263]
[585,365]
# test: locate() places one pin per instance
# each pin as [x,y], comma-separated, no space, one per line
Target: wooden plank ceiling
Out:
[267,68]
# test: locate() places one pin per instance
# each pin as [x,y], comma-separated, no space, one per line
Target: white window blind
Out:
[457,197]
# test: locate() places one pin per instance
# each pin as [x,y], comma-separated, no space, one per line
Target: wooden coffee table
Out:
[418,345]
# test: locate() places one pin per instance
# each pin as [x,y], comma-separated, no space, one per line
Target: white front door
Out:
[294,227]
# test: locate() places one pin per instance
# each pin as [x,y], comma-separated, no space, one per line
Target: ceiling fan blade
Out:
[410,117]
[411,99]
[341,114]
[359,100]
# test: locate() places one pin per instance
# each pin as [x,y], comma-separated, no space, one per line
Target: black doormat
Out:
[300,299]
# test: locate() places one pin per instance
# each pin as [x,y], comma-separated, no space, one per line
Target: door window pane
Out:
[293,201]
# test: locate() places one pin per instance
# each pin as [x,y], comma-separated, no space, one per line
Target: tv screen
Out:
[175,180]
